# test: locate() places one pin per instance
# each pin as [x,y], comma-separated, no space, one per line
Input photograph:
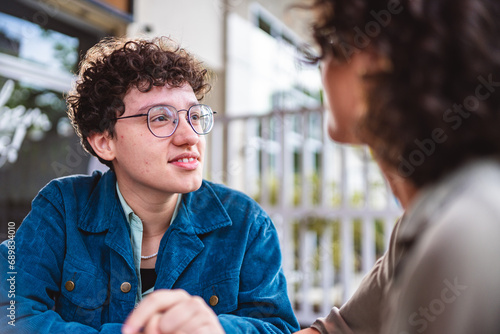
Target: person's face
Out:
[164,165]
[344,96]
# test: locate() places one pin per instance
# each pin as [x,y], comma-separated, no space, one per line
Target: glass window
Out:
[27,40]
[37,66]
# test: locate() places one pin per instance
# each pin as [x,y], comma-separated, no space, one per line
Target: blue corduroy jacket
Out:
[220,244]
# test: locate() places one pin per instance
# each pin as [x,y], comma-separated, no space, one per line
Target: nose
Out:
[184,134]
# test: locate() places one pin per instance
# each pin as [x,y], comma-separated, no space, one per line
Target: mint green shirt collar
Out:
[136,232]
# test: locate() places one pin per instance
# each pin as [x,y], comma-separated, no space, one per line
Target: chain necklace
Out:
[149,256]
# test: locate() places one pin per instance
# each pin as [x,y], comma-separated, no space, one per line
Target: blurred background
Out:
[330,204]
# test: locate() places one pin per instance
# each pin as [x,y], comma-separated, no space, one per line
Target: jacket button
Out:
[125,287]
[69,285]
[214,300]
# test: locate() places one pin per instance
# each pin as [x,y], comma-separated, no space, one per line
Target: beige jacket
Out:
[441,274]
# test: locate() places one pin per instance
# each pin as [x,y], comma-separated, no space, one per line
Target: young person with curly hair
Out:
[149,243]
[419,82]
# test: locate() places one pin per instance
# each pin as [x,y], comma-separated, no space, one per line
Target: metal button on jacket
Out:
[125,287]
[214,300]
[69,285]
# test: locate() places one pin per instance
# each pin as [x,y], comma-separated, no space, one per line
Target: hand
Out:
[307,331]
[172,311]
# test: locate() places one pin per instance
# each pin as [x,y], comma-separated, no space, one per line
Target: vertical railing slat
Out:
[347,265]
[325,172]
[264,168]
[305,169]
[368,234]
[217,158]
[285,202]
[307,248]
[327,269]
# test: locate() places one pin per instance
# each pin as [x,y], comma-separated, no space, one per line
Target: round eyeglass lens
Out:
[162,121]
[201,118]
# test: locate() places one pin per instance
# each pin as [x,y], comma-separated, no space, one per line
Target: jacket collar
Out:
[200,211]
[433,199]
[103,208]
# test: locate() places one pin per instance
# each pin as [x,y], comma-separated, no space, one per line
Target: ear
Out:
[103,145]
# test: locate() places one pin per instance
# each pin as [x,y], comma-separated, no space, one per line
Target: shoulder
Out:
[224,192]
[74,181]
[237,205]
[74,186]
[462,232]
[461,207]
[230,197]
[472,211]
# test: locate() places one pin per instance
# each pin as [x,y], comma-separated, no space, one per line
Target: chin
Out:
[342,137]
[338,136]
[191,186]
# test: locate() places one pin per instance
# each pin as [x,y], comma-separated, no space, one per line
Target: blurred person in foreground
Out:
[419,82]
[189,255]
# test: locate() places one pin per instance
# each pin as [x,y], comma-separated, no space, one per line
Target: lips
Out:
[185,157]
[188,161]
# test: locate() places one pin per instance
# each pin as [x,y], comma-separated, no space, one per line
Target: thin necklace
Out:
[149,256]
[146,257]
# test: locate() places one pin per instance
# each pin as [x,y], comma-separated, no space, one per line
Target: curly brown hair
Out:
[437,105]
[113,66]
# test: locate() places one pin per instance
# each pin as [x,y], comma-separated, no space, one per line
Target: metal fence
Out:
[331,206]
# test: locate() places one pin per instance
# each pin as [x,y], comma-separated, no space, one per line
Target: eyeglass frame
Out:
[178,118]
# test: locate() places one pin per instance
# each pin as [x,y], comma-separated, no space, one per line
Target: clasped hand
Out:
[172,311]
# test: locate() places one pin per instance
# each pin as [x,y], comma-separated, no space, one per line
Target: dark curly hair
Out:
[113,66]
[437,105]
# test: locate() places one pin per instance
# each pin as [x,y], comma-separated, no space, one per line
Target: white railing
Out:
[330,204]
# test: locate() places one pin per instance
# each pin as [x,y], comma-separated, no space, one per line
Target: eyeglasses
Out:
[163,120]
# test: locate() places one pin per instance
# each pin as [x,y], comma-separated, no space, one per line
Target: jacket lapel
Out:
[200,212]
[179,250]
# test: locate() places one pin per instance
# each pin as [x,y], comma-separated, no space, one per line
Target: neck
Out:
[404,190]
[155,211]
